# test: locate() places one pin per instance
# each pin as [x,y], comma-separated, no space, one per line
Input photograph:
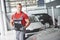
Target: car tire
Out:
[47,25]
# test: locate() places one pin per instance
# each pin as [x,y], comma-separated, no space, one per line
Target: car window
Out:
[34,18]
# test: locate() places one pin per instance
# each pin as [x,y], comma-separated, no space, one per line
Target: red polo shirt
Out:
[18,15]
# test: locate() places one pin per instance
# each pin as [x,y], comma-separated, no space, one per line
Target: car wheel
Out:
[47,25]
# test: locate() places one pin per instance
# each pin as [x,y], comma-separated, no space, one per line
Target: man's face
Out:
[19,7]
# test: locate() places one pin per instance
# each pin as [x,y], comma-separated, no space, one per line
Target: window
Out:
[26,3]
[40,2]
[12,3]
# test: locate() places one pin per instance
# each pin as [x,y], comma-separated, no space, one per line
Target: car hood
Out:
[35,25]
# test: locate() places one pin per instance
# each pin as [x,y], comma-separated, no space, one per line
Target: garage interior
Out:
[44,17]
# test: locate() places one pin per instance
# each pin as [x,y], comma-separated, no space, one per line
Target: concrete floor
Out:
[10,36]
[48,34]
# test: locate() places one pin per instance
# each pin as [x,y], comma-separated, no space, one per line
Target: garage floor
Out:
[48,34]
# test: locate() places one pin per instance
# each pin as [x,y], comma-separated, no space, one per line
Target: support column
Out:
[53,15]
[3,19]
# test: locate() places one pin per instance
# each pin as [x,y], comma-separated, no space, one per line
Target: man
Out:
[21,21]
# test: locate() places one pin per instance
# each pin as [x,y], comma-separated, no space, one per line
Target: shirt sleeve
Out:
[26,16]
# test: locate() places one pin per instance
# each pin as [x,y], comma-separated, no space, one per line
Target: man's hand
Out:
[27,23]
[11,23]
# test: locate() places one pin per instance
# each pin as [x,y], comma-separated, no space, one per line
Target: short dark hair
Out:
[19,4]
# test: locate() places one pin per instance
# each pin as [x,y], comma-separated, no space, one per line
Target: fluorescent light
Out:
[58,6]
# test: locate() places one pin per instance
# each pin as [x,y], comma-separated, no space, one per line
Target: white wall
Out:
[56,12]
